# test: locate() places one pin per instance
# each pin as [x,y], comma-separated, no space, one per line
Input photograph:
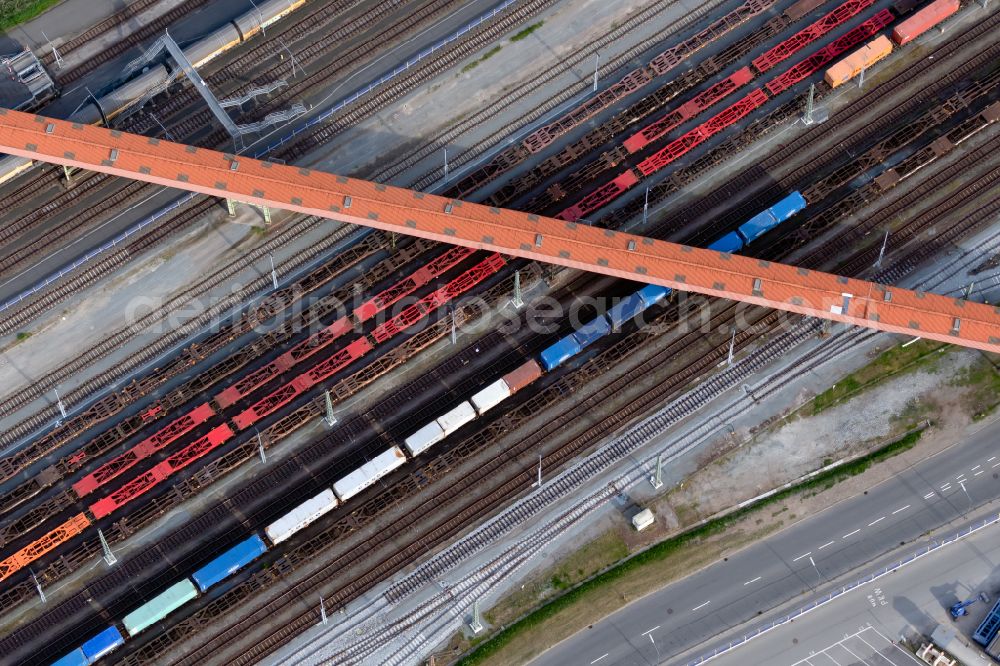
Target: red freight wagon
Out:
[924,20]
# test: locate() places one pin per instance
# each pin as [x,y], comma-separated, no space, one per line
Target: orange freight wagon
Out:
[924,20]
[851,66]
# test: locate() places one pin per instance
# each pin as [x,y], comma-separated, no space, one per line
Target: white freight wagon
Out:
[456,418]
[424,438]
[301,516]
[369,473]
[491,396]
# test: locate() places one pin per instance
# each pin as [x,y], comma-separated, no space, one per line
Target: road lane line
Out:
[828,543]
[996,464]
[929,495]
[701,606]
[877,520]
[945,487]
[651,630]
[982,471]
[975,468]
[850,535]
[599,658]
[903,509]
[751,581]
[801,556]
[991,459]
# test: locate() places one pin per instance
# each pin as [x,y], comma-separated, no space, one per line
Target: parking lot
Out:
[867,647]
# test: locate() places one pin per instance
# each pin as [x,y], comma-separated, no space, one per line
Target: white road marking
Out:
[945,487]
[902,509]
[975,468]
[877,520]
[651,630]
[850,534]
[852,653]
[701,606]
[752,581]
[960,478]
[996,464]
[929,495]
[599,658]
[991,459]
[901,650]
[828,543]
[801,556]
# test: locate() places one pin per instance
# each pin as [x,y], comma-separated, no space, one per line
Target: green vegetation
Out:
[23,335]
[486,56]
[527,31]
[897,360]
[674,546]
[982,382]
[14,12]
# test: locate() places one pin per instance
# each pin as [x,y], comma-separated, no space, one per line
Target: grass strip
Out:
[896,360]
[14,12]
[527,31]
[670,546]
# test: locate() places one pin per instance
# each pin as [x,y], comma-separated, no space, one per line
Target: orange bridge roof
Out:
[510,232]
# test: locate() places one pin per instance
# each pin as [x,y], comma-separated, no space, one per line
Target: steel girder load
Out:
[46,544]
[143,483]
[802,70]
[143,449]
[810,34]
[700,102]
[703,132]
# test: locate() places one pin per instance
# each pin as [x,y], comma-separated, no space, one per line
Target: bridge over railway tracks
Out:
[353,201]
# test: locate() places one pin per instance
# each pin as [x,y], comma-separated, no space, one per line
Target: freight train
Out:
[104,109]
[870,53]
[226,431]
[419,442]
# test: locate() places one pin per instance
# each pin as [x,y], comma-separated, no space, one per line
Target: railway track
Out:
[447,137]
[34,308]
[149,29]
[309,616]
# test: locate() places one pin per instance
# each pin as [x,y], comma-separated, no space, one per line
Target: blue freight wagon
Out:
[768,219]
[555,355]
[229,562]
[652,294]
[625,310]
[730,243]
[102,644]
[74,658]
[788,206]
[592,331]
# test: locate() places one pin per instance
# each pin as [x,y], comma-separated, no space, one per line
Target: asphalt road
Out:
[696,611]
[862,626]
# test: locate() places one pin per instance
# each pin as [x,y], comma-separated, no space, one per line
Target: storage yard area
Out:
[325,323]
